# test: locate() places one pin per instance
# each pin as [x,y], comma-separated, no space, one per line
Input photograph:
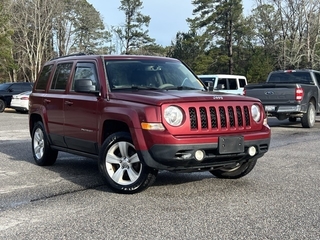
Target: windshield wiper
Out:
[181,88]
[143,88]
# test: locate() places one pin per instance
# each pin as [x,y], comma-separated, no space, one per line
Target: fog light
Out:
[199,155]
[252,151]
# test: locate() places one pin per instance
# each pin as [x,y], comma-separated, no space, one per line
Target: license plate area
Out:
[234,144]
[270,108]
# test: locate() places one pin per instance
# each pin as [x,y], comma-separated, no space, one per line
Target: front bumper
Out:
[181,157]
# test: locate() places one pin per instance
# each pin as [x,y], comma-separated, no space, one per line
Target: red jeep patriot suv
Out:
[141,114]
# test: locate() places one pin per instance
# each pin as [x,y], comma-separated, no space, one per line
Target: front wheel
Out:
[309,118]
[119,163]
[235,171]
[43,154]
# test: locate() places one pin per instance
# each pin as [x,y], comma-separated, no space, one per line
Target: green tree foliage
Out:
[220,20]
[134,34]
[189,47]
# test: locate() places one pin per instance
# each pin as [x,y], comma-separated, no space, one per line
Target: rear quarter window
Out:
[44,77]
[242,82]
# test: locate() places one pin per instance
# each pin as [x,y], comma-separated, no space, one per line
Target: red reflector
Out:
[299,94]
[25,98]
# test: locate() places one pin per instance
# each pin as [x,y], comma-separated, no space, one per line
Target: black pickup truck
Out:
[289,94]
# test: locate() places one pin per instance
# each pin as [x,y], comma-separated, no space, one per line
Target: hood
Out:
[176,96]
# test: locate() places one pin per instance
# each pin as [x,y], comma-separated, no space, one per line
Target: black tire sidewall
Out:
[49,156]
[305,121]
[146,177]
[2,105]
[243,170]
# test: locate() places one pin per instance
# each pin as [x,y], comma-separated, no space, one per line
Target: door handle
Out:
[68,103]
[47,101]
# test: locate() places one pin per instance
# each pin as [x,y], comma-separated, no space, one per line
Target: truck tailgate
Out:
[270,93]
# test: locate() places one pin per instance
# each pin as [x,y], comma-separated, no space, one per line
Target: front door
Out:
[80,112]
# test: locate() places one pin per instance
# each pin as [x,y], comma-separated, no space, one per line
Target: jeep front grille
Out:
[215,118]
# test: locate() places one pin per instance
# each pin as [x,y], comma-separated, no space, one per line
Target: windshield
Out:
[150,74]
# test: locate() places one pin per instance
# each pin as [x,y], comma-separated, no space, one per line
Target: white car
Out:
[225,83]
[20,102]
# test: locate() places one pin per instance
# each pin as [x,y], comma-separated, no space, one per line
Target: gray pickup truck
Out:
[289,94]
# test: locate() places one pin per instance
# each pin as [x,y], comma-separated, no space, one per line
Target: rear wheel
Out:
[120,165]
[2,105]
[43,154]
[235,171]
[309,118]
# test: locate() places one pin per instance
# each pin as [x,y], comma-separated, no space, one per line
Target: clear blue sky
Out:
[167,16]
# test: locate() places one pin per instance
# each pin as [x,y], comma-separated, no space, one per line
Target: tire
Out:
[234,172]
[2,105]
[309,118]
[121,166]
[43,154]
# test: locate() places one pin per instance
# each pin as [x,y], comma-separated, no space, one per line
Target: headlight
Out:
[173,115]
[255,112]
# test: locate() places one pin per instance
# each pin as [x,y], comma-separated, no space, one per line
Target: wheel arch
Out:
[112,126]
[33,118]
[313,101]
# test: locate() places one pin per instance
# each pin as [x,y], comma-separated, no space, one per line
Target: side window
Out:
[86,71]
[222,84]
[242,82]
[44,77]
[16,88]
[61,76]
[26,87]
[233,84]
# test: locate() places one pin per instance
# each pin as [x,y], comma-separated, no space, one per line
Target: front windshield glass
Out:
[150,74]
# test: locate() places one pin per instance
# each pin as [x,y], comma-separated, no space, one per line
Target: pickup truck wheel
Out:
[43,154]
[2,105]
[120,165]
[235,171]
[309,118]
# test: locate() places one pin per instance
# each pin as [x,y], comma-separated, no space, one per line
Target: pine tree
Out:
[219,20]
[134,34]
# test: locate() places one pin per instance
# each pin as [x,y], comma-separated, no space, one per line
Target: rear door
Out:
[80,111]
[54,102]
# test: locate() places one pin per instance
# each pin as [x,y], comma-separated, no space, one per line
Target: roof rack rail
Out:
[70,55]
